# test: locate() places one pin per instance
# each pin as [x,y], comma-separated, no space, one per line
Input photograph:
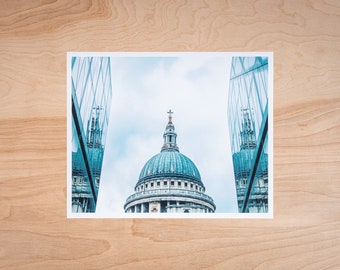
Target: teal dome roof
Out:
[169,163]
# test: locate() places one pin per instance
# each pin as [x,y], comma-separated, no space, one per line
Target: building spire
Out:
[170,135]
[248,137]
[94,132]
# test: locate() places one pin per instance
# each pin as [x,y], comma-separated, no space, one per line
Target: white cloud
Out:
[195,88]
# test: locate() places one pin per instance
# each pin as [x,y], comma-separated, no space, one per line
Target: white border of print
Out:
[268,215]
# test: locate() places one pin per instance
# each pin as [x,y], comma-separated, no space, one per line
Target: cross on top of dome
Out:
[170,115]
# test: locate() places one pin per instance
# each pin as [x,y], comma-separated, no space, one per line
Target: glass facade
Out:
[248,126]
[91,101]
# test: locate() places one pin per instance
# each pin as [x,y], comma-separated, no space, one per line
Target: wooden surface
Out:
[34,39]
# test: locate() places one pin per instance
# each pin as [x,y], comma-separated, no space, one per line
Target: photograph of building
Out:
[248,128]
[169,182]
[120,165]
[91,101]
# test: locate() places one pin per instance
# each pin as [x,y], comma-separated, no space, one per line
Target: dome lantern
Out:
[170,135]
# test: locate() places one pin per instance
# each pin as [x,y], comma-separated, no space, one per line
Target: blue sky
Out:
[195,87]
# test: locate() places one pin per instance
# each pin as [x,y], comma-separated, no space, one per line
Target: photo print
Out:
[170,135]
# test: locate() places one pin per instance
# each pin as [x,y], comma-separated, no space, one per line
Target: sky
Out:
[144,88]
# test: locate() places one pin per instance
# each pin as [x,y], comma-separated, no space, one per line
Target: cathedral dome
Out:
[169,163]
[169,182]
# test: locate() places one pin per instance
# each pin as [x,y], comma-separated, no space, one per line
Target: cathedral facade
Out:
[169,182]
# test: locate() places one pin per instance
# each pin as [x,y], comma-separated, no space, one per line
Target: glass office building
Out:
[91,100]
[248,126]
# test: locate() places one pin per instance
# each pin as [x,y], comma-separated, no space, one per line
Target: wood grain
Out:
[34,39]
